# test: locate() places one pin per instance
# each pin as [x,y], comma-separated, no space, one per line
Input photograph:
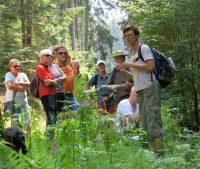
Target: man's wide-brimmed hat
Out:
[119,53]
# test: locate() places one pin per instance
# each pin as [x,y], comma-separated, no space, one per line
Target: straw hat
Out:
[119,53]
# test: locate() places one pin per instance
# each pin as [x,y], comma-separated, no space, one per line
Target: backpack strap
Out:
[96,76]
[139,54]
[41,82]
[113,76]
[141,57]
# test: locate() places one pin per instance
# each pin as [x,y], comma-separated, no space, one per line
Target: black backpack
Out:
[34,86]
[164,67]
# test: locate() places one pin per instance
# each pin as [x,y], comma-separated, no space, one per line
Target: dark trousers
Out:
[49,104]
[60,101]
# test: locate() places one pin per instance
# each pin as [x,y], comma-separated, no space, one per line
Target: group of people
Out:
[137,91]
[55,92]
[113,89]
[146,88]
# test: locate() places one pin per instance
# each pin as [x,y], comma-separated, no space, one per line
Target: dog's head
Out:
[15,138]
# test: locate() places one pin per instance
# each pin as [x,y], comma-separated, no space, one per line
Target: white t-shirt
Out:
[142,79]
[124,108]
[20,95]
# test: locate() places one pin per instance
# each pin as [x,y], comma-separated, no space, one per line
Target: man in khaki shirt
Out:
[121,77]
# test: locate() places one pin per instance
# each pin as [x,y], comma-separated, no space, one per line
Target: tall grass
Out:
[84,140]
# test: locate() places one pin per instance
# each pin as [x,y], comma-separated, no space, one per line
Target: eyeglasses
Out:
[49,56]
[129,35]
[16,66]
[62,53]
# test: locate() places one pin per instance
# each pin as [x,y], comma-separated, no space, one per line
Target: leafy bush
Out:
[83,139]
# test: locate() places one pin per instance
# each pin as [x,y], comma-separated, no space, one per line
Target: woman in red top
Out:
[47,91]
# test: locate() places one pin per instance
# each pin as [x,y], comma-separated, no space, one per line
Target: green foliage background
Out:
[172,28]
[83,140]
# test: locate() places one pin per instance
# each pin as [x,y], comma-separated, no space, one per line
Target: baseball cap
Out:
[101,61]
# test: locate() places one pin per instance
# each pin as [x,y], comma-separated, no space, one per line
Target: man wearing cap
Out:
[64,62]
[47,91]
[105,96]
[121,77]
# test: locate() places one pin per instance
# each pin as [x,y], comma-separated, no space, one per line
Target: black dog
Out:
[15,138]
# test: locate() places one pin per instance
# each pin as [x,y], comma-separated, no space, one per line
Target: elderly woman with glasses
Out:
[64,62]
[60,77]
[16,103]
[47,91]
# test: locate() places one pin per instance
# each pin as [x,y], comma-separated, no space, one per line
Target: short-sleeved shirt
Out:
[101,90]
[20,95]
[44,73]
[57,72]
[124,108]
[120,77]
[69,82]
[142,78]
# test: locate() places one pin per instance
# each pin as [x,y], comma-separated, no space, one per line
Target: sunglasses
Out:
[49,56]
[16,66]
[62,53]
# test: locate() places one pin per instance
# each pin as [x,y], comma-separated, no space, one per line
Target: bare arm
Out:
[61,79]
[148,65]
[129,73]
[50,82]
[131,117]
[24,85]
[127,85]
[122,68]
[17,86]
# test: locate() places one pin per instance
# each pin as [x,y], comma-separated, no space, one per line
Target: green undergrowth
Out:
[84,140]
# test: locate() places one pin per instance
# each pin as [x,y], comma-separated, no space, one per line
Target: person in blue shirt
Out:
[105,96]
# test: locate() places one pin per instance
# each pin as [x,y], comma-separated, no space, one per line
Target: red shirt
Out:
[44,73]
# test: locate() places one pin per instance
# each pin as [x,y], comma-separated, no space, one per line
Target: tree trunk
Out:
[23,24]
[71,4]
[26,21]
[195,116]
[29,22]
[77,29]
[86,24]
